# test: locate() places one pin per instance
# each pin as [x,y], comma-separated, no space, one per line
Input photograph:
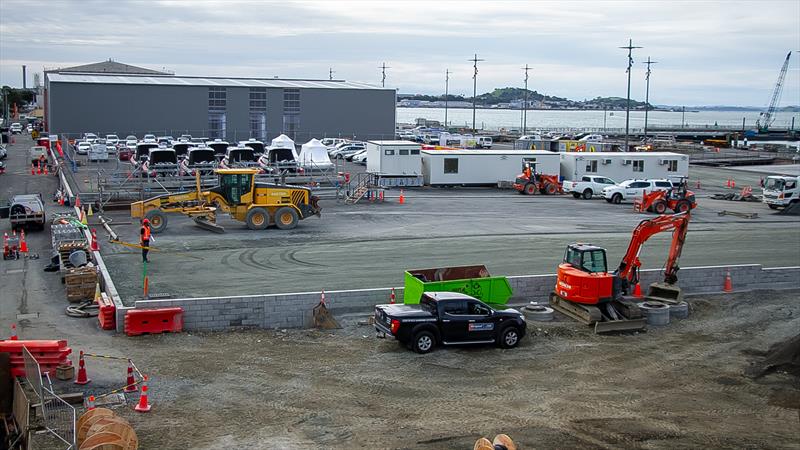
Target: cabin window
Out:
[591,166]
[451,165]
[415,152]
[404,152]
[638,165]
[672,165]
[388,152]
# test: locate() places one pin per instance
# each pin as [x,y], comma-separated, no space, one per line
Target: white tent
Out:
[314,155]
[282,141]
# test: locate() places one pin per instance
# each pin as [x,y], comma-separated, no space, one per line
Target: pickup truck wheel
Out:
[530,189]
[423,342]
[576,194]
[616,199]
[509,337]
[587,194]
[158,221]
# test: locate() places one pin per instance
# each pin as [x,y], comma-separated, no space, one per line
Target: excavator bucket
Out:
[667,293]
[205,224]
[323,319]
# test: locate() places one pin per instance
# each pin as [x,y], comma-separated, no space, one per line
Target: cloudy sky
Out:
[708,53]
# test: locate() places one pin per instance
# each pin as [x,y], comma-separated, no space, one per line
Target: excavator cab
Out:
[587,258]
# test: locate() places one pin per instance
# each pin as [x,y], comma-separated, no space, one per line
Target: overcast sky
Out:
[708,53]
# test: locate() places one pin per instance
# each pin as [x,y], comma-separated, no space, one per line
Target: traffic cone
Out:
[728,183]
[83,218]
[82,378]
[402,197]
[733,183]
[39,169]
[728,286]
[95,245]
[322,298]
[637,290]
[61,199]
[14,332]
[23,246]
[33,169]
[143,405]
[5,243]
[130,384]
[90,403]
[90,212]
[77,201]
[45,169]
[391,297]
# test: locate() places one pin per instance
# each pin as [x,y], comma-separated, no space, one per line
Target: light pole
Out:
[683,116]
[474,86]
[446,92]
[630,48]
[525,110]
[647,94]
[605,113]
[383,68]
[330,73]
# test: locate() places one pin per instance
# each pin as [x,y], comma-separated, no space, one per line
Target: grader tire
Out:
[286,218]
[257,219]
[158,221]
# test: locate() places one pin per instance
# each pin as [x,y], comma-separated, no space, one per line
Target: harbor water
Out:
[495,119]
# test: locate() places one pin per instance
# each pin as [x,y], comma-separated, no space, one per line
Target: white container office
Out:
[483,167]
[395,163]
[620,166]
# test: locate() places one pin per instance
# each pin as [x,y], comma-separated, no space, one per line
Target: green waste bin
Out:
[471,280]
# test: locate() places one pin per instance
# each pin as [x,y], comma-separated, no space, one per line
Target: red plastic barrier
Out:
[49,353]
[108,313]
[161,320]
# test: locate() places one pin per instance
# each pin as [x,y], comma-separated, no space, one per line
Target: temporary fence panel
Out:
[58,415]
[32,372]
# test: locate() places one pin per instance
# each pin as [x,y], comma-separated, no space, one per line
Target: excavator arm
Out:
[678,223]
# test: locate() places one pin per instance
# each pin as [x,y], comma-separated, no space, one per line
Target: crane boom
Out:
[679,223]
[766,118]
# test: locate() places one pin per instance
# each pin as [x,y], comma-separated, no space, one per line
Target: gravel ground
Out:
[679,386]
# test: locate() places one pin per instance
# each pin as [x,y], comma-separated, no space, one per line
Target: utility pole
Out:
[630,48]
[446,92]
[647,94]
[474,86]
[383,68]
[330,73]
[525,110]
[605,112]
[683,116]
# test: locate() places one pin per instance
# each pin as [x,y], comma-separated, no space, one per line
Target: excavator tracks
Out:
[619,316]
[585,314]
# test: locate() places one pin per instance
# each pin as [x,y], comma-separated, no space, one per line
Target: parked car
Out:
[449,318]
[3,152]
[125,152]
[89,137]
[16,128]
[629,189]
[25,211]
[352,155]
[347,150]
[36,152]
[592,138]
[165,140]
[484,142]
[587,186]
[331,143]
[98,152]
[83,148]
[149,138]
[112,139]
[360,157]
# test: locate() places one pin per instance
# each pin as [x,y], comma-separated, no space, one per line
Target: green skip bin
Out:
[470,280]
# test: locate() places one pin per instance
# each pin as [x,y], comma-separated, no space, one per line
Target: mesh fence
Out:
[58,415]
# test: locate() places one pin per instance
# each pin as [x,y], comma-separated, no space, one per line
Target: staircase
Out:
[357,193]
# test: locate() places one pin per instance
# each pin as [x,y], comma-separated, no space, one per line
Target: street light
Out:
[525,106]
[446,89]
[474,86]
[630,47]
[647,94]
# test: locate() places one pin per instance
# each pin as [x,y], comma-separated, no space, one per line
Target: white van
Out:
[484,142]
[98,152]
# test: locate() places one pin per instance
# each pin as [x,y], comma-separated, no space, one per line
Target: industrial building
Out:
[115,98]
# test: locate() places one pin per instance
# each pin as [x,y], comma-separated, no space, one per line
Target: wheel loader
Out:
[237,194]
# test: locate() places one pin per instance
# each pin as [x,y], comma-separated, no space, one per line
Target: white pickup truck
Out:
[588,186]
[629,189]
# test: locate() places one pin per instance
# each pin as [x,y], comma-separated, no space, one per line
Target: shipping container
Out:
[620,166]
[483,167]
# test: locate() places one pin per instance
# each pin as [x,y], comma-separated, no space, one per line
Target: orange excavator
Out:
[679,199]
[588,292]
[529,182]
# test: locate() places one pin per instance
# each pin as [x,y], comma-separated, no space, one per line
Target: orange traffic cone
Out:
[143,405]
[130,384]
[95,245]
[61,199]
[23,246]
[637,290]
[728,285]
[45,169]
[39,169]
[82,378]
[14,332]
[90,403]
[322,298]
[733,183]
[402,197]
[391,297]
[5,243]
[33,169]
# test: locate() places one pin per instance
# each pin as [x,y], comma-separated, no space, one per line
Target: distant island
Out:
[514,98]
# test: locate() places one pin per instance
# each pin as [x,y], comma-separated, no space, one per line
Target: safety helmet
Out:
[146,222]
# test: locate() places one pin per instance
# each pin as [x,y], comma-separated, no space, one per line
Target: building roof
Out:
[169,80]
[107,67]
[624,155]
[459,151]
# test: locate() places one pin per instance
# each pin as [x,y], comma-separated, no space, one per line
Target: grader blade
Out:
[667,293]
[203,223]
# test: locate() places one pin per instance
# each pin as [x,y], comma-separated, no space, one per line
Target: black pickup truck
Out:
[449,318]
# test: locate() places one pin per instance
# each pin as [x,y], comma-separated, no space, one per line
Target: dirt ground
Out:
[679,386]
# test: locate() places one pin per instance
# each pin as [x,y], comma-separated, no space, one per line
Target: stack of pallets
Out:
[81,283]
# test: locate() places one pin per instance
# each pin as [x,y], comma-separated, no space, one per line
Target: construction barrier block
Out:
[159,320]
[49,354]
[107,316]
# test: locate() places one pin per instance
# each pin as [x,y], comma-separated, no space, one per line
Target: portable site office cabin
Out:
[483,167]
[620,166]
[395,163]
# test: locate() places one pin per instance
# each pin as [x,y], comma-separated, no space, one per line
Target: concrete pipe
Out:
[538,313]
[657,313]
[679,311]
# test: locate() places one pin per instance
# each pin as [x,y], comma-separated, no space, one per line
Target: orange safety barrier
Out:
[49,353]
[107,316]
[160,320]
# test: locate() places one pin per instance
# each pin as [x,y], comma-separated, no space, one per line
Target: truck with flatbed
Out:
[588,186]
[449,318]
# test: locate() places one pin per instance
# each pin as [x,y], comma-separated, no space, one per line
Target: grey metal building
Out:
[116,98]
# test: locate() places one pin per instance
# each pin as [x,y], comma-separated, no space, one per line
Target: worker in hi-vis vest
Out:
[145,235]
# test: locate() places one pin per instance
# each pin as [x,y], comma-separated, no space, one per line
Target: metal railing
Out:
[58,415]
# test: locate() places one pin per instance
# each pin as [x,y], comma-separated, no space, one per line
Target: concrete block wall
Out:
[295,310]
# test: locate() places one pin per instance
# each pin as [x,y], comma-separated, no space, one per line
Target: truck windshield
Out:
[775,184]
